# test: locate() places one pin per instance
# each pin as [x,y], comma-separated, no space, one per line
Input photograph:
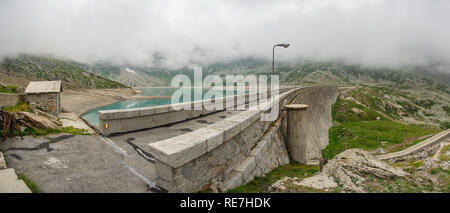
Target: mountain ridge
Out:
[21,69]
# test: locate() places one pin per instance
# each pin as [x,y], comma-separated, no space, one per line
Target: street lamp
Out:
[273,54]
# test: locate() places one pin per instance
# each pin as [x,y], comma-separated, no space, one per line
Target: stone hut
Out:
[45,95]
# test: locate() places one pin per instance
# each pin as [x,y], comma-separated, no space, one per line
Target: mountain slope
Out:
[133,76]
[300,72]
[23,68]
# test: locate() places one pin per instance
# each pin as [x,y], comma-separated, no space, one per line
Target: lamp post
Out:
[273,54]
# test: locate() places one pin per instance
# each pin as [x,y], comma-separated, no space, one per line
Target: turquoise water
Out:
[92,115]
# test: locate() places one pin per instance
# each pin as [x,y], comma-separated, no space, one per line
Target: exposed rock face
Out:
[31,120]
[50,117]
[347,170]
[434,157]
[421,155]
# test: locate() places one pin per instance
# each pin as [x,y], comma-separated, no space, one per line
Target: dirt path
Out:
[436,138]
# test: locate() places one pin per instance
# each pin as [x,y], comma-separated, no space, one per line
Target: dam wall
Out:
[233,151]
[319,99]
[230,152]
[225,154]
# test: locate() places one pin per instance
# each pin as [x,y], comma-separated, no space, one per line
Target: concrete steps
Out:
[9,183]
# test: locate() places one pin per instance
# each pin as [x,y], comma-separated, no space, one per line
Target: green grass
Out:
[410,108]
[31,185]
[8,89]
[20,107]
[361,130]
[427,103]
[261,184]
[44,132]
[446,109]
[368,100]
[444,125]
[364,135]
[403,185]
[342,112]
[442,154]
[401,146]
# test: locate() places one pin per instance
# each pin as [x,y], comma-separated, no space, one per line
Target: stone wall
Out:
[46,101]
[225,154]
[10,99]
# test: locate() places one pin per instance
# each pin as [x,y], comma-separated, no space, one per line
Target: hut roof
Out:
[43,87]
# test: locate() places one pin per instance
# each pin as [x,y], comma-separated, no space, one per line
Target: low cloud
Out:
[391,33]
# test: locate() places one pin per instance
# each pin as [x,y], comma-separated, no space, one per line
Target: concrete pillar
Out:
[297,131]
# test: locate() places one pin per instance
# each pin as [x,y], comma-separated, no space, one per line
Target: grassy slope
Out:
[360,129]
[72,74]
[261,184]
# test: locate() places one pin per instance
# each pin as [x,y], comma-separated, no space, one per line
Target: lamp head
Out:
[285,45]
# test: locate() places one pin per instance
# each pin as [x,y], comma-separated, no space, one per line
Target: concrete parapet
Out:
[126,120]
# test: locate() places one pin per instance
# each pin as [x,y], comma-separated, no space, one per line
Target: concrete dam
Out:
[232,151]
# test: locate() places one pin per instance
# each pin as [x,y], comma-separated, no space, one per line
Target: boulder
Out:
[349,170]
[50,117]
[356,110]
[35,121]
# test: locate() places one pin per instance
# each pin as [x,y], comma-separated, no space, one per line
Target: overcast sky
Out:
[370,32]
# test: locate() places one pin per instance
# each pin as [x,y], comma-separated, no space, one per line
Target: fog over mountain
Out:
[390,33]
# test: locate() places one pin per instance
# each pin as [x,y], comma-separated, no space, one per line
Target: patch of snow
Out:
[130,71]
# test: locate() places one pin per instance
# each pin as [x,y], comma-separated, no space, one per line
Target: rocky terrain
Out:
[348,171]
[359,171]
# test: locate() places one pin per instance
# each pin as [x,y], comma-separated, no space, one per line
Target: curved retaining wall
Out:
[319,99]
[231,152]
[225,154]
